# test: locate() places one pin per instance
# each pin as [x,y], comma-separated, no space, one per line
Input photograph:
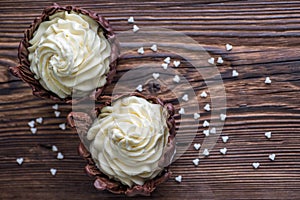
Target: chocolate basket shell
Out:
[102,182]
[22,70]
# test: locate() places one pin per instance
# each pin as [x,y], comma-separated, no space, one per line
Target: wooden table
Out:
[266,42]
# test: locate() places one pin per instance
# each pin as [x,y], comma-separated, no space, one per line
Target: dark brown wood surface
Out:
[266,42]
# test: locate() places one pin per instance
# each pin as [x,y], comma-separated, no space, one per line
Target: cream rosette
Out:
[69,54]
[128,140]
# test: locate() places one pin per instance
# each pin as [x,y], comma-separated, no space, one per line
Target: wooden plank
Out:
[266,42]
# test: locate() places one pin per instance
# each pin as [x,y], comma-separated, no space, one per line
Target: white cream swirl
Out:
[128,140]
[69,54]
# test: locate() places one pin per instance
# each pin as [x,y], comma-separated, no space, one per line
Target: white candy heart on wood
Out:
[196,116]
[268,135]
[155,75]
[154,47]
[197,146]
[223,151]
[228,47]
[176,63]
[135,28]
[141,50]
[178,179]
[211,61]
[53,171]
[20,160]
[196,161]
[235,73]
[225,138]
[255,165]
[139,88]
[130,20]
[272,157]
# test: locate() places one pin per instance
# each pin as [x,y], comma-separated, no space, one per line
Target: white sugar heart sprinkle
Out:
[228,47]
[255,165]
[141,50]
[135,28]
[196,161]
[60,156]
[235,73]
[31,123]
[56,113]
[181,111]
[139,88]
[206,132]
[185,97]
[20,160]
[55,106]
[207,107]
[54,148]
[206,152]
[62,126]
[130,20]
[167,60]
[178,179]
[164,66]
[205,124]
[197,146]
[272,157]
[154,47]
[33,130]
[223,117]
[176,79]
[176,63]
[211,61]
[53,171]
[268,80]
[225,138]
[203,94]
[268,135]
[155,75]
[223,151]
[39,120]
[213,130]
[220,60]
[196,116]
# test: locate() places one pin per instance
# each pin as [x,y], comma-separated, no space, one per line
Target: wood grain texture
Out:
[266,42]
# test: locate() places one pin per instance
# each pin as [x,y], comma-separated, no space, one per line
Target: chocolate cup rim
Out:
[117,187]
[22,70]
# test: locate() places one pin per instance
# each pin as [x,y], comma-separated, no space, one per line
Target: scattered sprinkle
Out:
[223,117]
[139,88]
[196,161]
[196,116]
[176,79]
[272,157]
[135,28]
[55,106]
[141,50]
[225,138]
[178,178]
[20,160]
[56,113]
[203,94]
[220,60]
[33,130]
[213,130]
[130,20]
[167,60]
[205,124]
[39,120]
[164,66]
[255,165]
[228,47]
[235,73]
[176,63]
[60,156]
[62,126]
[154,47]
[54,148]
[223,151]
[181,111]
[31,123]
[207,107]
[185,97]
[155,75]
[53,171]
[268,80]
[206,132]
[268,135]
[197,146]
[206,152]
[211,61]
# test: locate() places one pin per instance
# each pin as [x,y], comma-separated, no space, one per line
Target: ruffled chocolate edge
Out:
[22,70]
[102,182]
